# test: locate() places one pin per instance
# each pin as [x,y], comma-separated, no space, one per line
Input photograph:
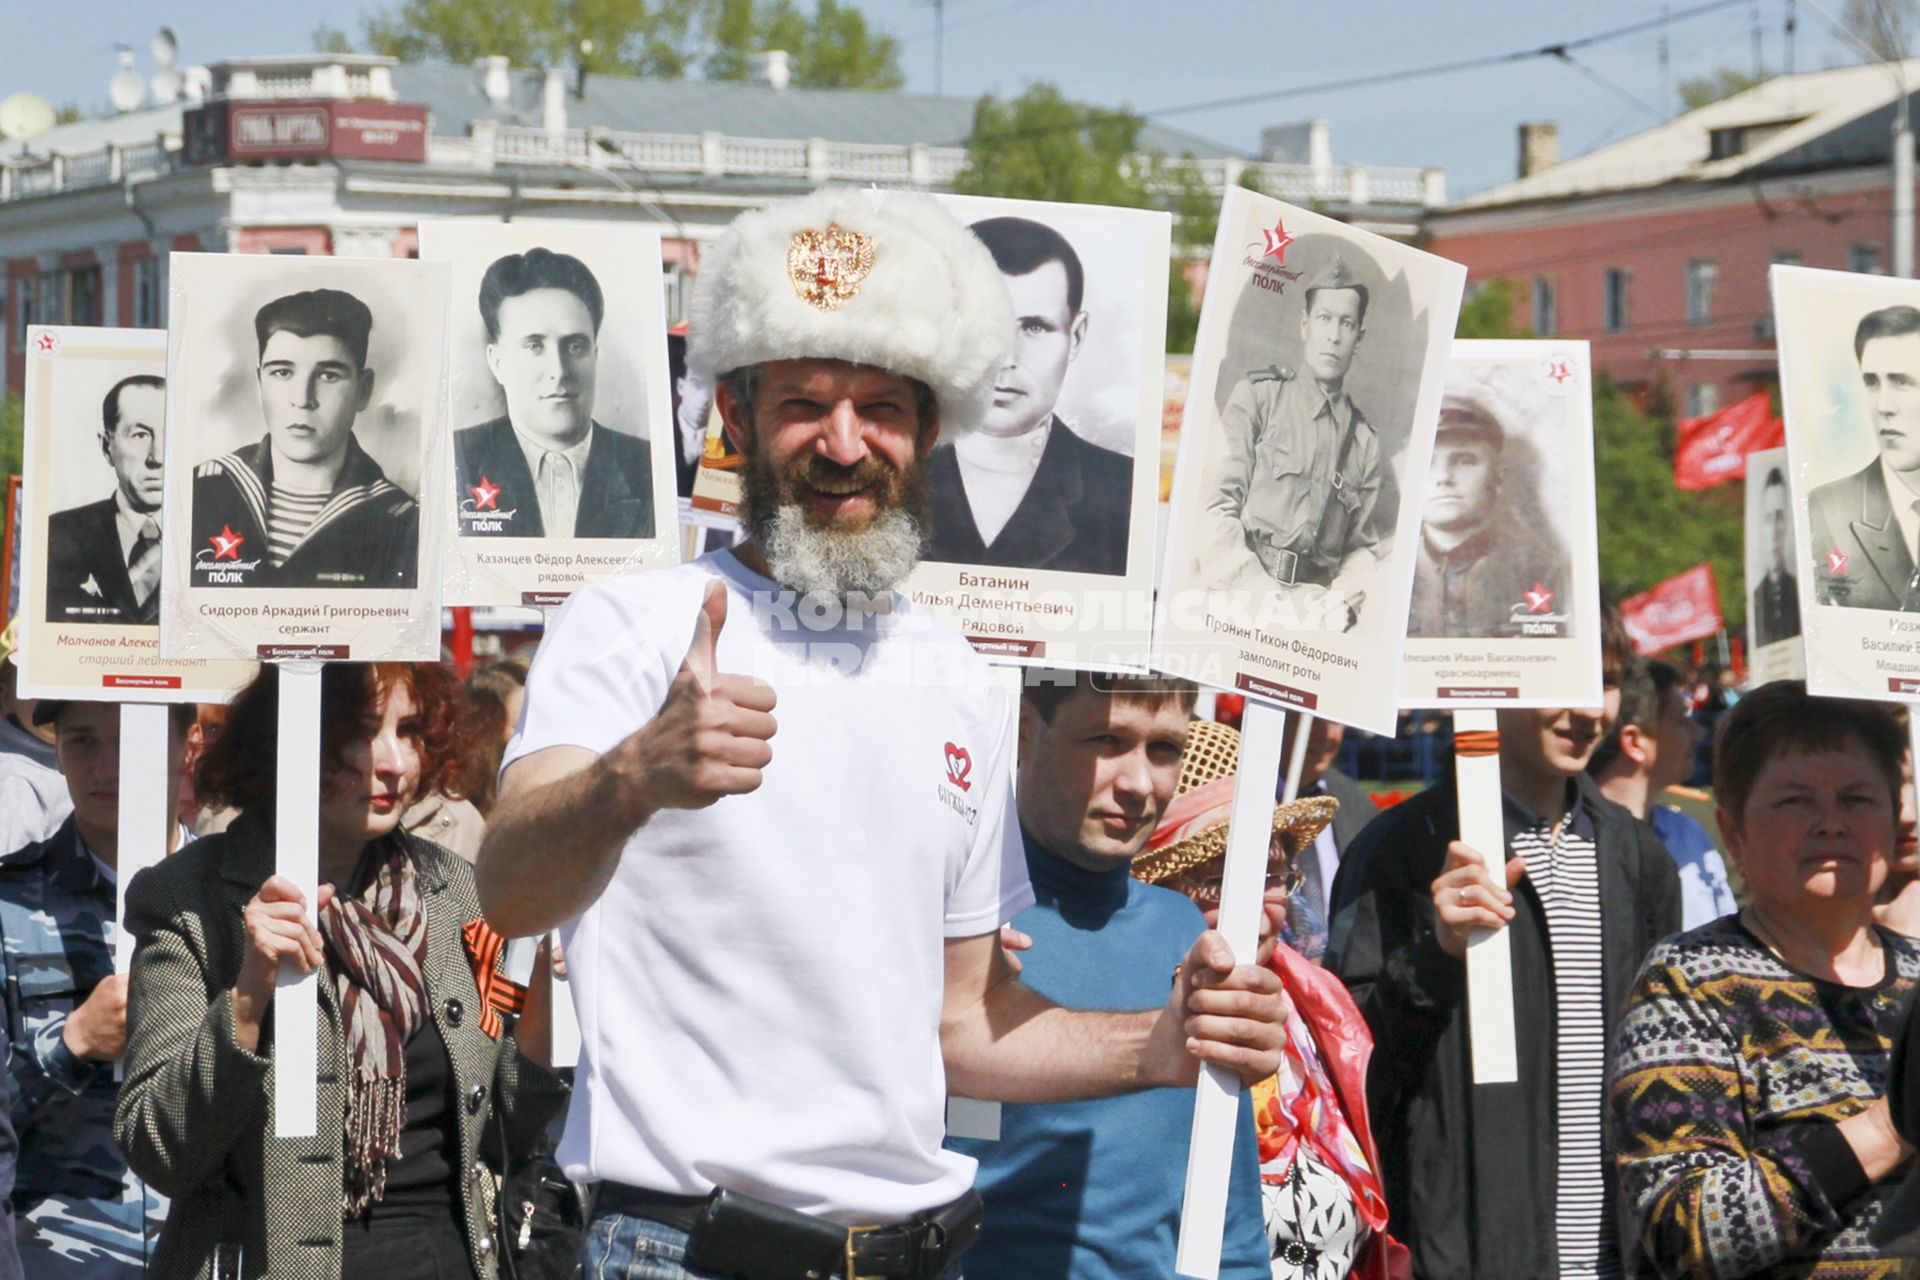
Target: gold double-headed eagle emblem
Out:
[827,267]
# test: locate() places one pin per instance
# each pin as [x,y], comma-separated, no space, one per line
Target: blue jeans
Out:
[617,1246]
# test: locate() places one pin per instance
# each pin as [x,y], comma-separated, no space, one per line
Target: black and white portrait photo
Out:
[1773,614]
[1493,559]
[545,464]
[1025,487]
[103,556]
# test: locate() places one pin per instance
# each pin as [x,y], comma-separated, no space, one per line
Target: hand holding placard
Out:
[279,931]
[710,738]
[1467,898]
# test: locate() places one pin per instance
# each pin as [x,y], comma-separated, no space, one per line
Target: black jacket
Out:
[1073,518]
[1469,1172]
[616,493]
[86,571]
[368,534]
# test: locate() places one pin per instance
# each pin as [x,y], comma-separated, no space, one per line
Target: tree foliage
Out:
[830,48]
[13,434]
[1704,90]
[1887,27]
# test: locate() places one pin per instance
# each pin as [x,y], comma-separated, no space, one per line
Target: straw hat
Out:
[1193,831]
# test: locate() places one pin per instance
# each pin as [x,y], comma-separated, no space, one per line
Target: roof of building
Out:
[1822,119]
[455,97]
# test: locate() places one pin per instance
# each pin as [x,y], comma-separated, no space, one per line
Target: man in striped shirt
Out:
[1506,1180]
[306,506]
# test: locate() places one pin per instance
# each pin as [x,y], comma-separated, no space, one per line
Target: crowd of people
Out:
[810,882]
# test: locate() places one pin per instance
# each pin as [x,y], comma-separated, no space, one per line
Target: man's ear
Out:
[106,445]
[1076,334]
[493,363]
[1028,726]
[1636,744]
[739,430]
[366,391]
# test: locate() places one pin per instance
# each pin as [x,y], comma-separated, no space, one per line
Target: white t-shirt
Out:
[759,988]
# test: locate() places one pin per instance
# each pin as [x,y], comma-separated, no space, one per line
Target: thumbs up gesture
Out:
[711,737]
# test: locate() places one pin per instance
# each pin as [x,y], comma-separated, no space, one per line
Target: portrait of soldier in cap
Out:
[1024,489]
[1476,562]
[1298,488]
[306,506]
[103,558]
[545,467]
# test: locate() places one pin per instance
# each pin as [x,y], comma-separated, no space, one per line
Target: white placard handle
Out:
[564,1018]
[1489,953]
[1216,1101]
[146,810]
[296,1008]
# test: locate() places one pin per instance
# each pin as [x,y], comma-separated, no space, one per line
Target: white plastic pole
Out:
[146,810]
[296,1008]
[1216,1102]
[565,1021]
[1489,963]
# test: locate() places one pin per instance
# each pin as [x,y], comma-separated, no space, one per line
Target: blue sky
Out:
[1148,54]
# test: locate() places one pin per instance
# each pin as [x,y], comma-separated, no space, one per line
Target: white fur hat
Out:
[902,287]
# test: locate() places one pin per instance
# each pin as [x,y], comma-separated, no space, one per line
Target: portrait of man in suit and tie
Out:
[1024,489]
[1866,527]
[1776,597]
[103,558]
[546,468]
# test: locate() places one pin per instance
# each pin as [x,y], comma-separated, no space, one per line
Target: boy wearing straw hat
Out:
[1091,1190]
[785,953]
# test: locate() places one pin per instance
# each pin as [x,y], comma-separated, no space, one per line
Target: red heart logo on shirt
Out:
[959,765]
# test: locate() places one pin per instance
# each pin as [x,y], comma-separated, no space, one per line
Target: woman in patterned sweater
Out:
[1750,1072]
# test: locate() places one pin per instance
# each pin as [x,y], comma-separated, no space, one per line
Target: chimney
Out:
[496,80]
[1306,142]
[1539,146]
[771,69]
[553,101]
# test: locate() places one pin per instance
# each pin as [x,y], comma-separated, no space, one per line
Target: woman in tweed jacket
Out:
[412,1063]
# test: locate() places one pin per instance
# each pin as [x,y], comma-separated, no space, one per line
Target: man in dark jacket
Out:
[1507,1180]
[306,506]
[103,558]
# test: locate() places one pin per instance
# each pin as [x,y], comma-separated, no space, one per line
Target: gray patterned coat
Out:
[195,1112]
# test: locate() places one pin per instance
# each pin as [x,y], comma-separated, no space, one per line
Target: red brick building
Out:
[1656,248]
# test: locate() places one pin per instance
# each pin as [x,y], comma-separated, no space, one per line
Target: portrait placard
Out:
[1041,546]
[305,466]
[1317,378]
[1506,579]
[92,528]
[1774,649]
[1850,392]
[560,408]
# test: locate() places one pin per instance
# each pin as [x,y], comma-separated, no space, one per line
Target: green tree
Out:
[1886,27]
[831,48]
[13,432]
[1715,85]
[1487,311]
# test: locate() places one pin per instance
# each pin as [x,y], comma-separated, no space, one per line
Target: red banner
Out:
[1684,607]
[1714,449]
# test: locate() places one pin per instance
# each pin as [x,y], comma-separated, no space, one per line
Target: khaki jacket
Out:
[195,1114]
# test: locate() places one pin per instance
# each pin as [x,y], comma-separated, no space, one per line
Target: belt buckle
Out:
[1288,568]
[853,1235]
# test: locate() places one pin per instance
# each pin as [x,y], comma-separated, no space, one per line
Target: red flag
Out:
[1684,607]
[1714,449]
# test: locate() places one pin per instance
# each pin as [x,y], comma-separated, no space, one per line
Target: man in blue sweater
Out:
[1092,1190]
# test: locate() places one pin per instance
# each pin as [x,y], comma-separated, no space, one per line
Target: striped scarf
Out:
[376,946]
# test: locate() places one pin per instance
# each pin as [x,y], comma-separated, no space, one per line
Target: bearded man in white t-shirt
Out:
[783,945]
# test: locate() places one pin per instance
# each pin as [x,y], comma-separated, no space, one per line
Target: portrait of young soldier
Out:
[1864,526]
[1776,598]
[306,506]
[1478,559]
[545,468]
[103,558]
[1300,482]
[1023,489]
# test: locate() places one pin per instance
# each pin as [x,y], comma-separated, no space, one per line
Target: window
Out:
[83,296]
[1702,399]
[1787,257]
[146,293]
[1546,307]
[1864,258]
[676,286]
[1616,300]
[24,290]
[1701,277]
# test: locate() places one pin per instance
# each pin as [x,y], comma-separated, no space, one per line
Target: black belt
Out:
[735,1235]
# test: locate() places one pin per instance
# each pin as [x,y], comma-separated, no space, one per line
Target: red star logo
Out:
[1540,598]
[484,495]
[45,342]
[1836,561]
[1277,241]
[1559,370]
[226,543]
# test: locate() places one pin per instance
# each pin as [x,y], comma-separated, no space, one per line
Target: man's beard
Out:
[815,559]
